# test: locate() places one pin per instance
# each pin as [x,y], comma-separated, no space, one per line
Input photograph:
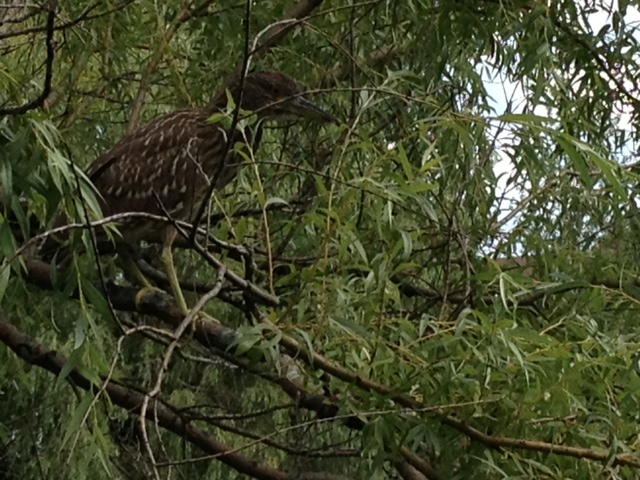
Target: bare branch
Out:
[48,76]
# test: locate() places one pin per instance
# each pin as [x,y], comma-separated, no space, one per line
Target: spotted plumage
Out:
[169,163]
[166,165]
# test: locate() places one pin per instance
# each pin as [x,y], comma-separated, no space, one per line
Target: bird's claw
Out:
[143,295]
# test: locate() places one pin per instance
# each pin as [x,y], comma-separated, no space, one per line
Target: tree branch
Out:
[48,76]
[220,338]
[131,400]
[84,16]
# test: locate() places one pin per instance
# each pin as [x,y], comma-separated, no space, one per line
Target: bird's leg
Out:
[129,266]
[166,257]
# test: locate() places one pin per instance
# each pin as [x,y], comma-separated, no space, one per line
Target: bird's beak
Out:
[304,108]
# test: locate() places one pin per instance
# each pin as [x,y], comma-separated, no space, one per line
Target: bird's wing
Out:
[157,164]
[164,133]
[160,163]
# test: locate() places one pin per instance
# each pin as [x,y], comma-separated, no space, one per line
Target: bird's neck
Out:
[256,138]
[252,134]
[218,103]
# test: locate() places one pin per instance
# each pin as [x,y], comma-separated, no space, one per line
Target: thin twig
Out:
[177,336]
[48,76]
[246,63]
[84,16]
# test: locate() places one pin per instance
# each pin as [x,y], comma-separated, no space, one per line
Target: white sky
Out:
[502,92]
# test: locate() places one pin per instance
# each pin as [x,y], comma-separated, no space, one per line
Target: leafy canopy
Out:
[456,264]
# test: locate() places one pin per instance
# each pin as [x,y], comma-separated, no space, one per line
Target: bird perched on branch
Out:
[173,162]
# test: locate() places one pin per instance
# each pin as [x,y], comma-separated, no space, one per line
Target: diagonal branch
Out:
[222,339]
[48,76]
[83,17]
[177,335]
[212,336]
[275,32]
[161,412]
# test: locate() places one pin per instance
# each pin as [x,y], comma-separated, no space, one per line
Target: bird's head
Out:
[274,95]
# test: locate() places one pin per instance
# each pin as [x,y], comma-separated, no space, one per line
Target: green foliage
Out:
[476,254]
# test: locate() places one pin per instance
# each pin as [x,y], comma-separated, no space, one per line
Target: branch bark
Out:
[211,335]
[132,400]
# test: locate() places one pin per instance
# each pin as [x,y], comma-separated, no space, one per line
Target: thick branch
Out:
[132,401]
[210,335]
[219,337]
[278,30]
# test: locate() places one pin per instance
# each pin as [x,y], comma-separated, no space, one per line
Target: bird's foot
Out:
[155,298]
[144,296]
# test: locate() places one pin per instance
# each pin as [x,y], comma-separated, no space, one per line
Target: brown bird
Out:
[170,164]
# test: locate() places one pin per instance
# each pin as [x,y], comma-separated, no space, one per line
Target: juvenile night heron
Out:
[170,164]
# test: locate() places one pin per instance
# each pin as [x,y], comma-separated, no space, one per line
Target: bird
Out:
[169,165]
